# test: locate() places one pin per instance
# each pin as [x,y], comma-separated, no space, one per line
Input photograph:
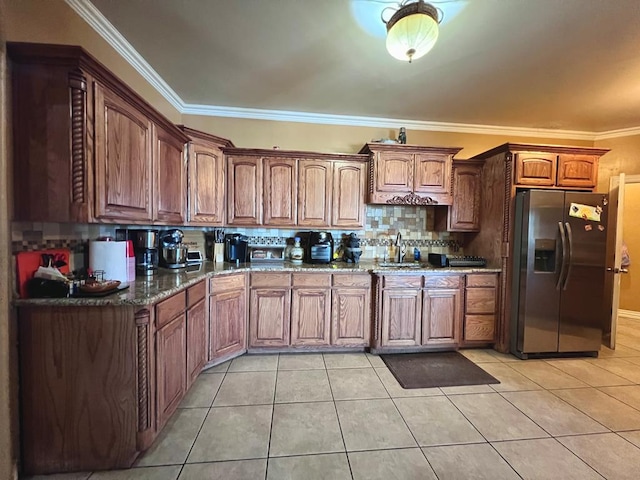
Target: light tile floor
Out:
[344,416]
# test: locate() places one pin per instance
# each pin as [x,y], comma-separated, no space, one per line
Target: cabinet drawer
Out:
[482,280]
[442,281]
[196,293]
[270,280]
[481,300]
[170,308]
[479,328]
[226,282]
[348,280]
[311,279]
[401,281]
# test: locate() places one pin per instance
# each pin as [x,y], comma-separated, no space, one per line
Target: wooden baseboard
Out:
[629,314]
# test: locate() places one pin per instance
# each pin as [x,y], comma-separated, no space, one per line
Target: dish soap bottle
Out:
[297,253]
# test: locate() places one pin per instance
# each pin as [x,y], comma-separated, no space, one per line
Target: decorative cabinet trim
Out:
[412,199]
[144,395]
[78,87]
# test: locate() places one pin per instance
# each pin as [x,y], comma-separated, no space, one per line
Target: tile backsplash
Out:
[383,222]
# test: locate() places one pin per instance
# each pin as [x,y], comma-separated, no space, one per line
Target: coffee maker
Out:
[235,248]
[145,248]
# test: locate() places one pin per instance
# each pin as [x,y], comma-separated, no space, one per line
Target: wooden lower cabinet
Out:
[351,316]
[401,311]
[197,329]
[310,310]
[228,316]
[420,311]
[81,405]
[480,309]
[171,367]
[311,316]
[270,314]
[441,316]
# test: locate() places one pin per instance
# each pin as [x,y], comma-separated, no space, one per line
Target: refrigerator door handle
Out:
[563,263]
[570,261]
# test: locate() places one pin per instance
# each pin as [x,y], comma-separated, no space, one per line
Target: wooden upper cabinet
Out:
[577,170]
[536,169]
[244,190]
[170,190]
[464,212]
[432,173]
[293,188]
[280,191]
[123,156]
[207,179]
[556,169]
[349,183]
[394,171]
[84,143]
[315,184]
[409,174]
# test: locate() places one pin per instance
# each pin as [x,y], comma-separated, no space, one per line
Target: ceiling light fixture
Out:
[412,31]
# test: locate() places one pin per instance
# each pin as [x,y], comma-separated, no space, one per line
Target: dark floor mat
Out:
[435,369]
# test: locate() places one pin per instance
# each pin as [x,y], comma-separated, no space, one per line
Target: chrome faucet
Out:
[399,254]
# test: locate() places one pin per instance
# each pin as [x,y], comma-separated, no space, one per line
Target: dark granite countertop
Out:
[150,290]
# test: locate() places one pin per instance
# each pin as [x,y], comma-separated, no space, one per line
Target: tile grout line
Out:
[209,412]
[273,408]
[335,408]
[407,425]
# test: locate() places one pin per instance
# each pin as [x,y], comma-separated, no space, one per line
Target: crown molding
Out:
[622,132]
[90,14]
[359,121]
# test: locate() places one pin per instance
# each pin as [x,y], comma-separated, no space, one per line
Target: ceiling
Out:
[543,64]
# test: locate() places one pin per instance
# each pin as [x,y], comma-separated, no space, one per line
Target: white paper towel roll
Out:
[110,257]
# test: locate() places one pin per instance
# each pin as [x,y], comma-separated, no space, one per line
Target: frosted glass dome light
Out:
[412,31]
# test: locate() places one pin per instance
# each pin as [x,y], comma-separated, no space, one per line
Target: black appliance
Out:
[236,248]
[318,248]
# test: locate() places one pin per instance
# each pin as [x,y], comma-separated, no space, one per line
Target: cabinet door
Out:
[432,173]
[393,172]
[123,159]
[206,184]
[244,199]
[441,316]
[269,317]
[535,169]
[351,317]
[315,182]
[577,170]
[349,183]
[280,191]
[464,213]
[171,367]
[196,340]
[170,190]
[228,323]
[311,316]
[401,317]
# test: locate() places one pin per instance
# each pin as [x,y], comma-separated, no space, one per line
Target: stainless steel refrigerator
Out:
[558,304]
